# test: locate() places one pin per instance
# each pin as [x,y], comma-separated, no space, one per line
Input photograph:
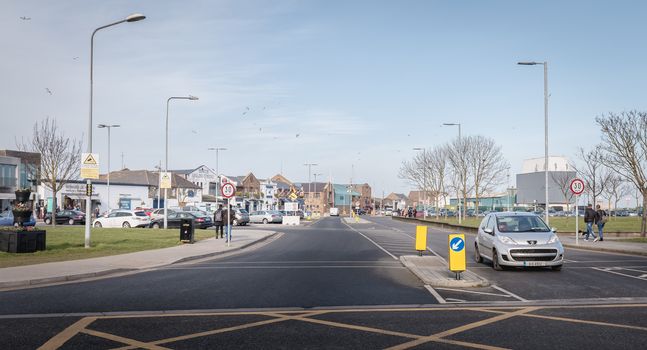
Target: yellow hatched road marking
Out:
[598,323]
[124,340]
[58,340]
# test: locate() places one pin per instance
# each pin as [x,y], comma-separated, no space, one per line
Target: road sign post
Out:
[577,187]
[456,247]
[421,239]
[228,190]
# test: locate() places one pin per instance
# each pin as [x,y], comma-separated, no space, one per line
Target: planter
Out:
[21,216]
[22,196]
[22,241]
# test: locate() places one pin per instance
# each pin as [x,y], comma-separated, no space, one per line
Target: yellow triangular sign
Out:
[90,160]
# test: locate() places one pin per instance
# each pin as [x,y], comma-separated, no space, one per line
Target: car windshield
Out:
[521,223]
[243,211]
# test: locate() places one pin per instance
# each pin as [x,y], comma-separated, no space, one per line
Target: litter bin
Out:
[187,231]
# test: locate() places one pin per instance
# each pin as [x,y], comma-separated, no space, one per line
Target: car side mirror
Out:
[554,229]
[488,230]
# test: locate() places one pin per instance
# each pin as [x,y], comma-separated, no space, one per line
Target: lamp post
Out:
[545,64]
[107,126]
[217,149]
[192,98]
[88,202]
[309,165]
[460,214]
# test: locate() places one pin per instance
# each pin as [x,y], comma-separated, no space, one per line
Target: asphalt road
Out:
[332,286]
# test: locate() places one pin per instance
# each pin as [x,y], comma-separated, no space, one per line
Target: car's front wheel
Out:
[264,221]
[48,221]
[156,225]
[71,222]
[235,222]
[126,224]
[97,224]
[495,261]
[477,255]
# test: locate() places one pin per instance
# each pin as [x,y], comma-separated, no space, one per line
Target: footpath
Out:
[55,272]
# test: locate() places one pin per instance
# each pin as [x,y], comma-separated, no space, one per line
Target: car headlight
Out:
[506,240]
[553,239]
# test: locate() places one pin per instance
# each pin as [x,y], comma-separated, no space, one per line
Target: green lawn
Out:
[566,224]
[67,243]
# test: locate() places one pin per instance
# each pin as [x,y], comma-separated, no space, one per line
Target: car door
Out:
[485,239]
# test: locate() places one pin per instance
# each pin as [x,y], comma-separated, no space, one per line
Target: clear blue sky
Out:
[360,82]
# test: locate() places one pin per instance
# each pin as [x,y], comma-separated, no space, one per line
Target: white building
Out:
[268,192]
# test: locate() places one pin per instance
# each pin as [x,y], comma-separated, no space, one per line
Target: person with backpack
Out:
[228,217]
[217,221]
[600,219]
[589,218]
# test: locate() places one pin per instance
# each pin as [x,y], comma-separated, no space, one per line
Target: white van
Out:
[334,211]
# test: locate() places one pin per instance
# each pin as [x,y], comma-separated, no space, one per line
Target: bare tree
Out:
[60,157]
[457,152]
[486,165]
[563,180]
[438,173]
[612,191]
[624,139]
[594,171]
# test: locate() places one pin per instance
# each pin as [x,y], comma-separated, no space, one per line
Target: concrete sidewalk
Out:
[610,244]
[29,275]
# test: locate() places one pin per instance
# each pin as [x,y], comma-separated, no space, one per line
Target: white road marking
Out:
[609,270]
[411,237]
[454,300]
[372,241]
[474,292]
[510,293]
[287,267]
[570,261]
[435,294]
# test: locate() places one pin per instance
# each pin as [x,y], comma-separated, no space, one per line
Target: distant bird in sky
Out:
[75,58]
[25,18]
[193,131]
[48,91]
[260,129]
[298,135]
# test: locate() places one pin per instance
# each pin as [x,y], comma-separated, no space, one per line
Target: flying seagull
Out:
[48,91]
[25,18]
[298,135]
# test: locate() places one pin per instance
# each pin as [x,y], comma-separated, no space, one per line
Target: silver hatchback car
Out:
[517,239]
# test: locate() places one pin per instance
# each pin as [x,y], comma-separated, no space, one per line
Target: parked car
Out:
[148,211]
[388,212]
[6,219]
[265,216]
[242,217]
[159,213]
[517,239]
[174,220]
[334,211]
[71,217]
[123,218]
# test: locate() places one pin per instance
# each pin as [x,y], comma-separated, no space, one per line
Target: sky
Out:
[352,86]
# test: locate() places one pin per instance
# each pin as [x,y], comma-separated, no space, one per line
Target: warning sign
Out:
[165,180]
[90,165]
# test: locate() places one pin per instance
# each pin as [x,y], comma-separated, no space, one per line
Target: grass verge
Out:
[67,243]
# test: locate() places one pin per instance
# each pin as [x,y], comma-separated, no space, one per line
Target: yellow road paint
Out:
[68,333]
[421,238]
[456,247]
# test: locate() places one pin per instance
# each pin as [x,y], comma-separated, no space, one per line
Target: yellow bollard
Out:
[456,248]
[421,239]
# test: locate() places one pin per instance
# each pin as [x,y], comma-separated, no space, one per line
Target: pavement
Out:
[610,244]
[63,271]
[432,270]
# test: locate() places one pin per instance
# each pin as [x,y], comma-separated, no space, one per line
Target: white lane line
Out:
[510,293]
[372,241]
[285,267]
[620,274]
[628,269]
[458,301]
[474,292]
[413,238]
[435,294]
[570,261]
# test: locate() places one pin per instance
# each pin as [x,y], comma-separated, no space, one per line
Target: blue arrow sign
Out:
[457,244]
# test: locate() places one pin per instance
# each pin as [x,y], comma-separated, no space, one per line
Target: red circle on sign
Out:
[228,190]
[577,186]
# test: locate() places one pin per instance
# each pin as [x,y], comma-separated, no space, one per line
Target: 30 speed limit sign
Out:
[228,190]
[577,186]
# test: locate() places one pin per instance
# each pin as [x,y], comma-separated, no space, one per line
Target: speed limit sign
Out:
[577,186]
[228,190]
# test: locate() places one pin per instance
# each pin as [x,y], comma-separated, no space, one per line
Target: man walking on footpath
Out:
[600,220]
[228,217]
[589,218]
[217,220]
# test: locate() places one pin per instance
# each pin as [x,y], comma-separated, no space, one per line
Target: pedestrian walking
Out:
[217,220]
[589,219]
[228,217]
[600,219]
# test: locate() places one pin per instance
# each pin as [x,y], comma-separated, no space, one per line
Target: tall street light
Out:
[107,126]
[310,165]
[217,149]
[460,214]
[545,64]
[88,202]
[192,98]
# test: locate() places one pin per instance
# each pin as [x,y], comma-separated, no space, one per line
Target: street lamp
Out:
[458,199]
[192,98]
[545,64]
[88,202]
[106,126]
[310,165]
[217,149]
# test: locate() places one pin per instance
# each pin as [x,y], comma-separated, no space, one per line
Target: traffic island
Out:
[433,271]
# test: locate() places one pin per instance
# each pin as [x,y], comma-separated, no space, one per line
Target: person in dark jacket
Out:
[600,220]
[217,221]
[228,217]
[589,219]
